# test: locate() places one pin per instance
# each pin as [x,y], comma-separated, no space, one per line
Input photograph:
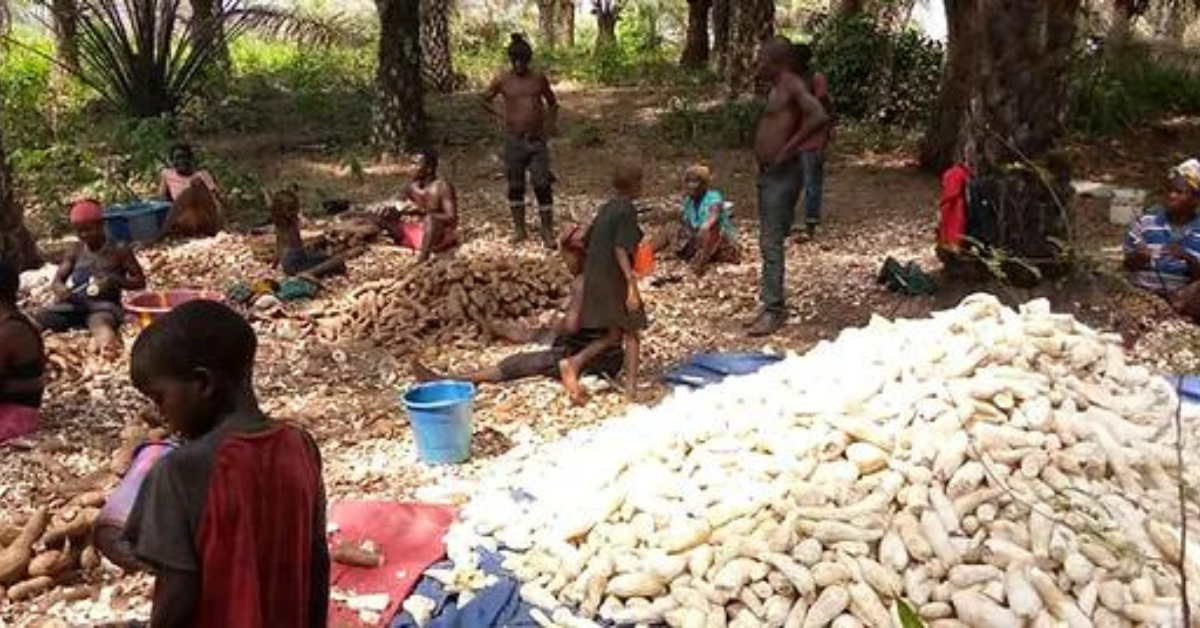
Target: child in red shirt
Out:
[232,522]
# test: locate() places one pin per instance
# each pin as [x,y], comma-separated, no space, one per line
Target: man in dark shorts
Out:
[232,523]
[563,338]
[530,117]
[792,116]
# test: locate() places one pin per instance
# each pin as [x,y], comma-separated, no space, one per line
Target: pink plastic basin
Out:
[146,307]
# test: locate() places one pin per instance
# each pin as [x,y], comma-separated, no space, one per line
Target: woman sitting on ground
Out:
[196,205]
[705,233]
[22,362]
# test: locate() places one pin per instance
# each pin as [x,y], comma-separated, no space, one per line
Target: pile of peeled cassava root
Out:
[446,300]
[984,467]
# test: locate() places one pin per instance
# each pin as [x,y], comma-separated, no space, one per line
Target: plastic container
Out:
[136,222]
[146,307]
[643,259]
[440,413]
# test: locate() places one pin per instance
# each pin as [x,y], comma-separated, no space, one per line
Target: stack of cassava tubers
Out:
[444,301]
[983,467]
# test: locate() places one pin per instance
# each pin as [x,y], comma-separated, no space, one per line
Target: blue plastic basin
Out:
[136,222]
[440,413]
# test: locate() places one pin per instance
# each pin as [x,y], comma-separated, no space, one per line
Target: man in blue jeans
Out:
[791,118]
[812,152]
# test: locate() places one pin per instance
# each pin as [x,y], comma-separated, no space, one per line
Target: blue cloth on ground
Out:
[1187,385]
[497,605]
[704,369]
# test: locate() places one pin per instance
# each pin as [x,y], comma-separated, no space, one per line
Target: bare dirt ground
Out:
[346,391]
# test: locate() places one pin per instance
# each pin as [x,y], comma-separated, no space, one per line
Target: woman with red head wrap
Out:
[90,280]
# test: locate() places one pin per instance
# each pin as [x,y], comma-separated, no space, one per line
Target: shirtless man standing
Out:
[792,116]
[528,99]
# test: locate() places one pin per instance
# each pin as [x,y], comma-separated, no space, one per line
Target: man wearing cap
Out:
[1162,248]
[90,281]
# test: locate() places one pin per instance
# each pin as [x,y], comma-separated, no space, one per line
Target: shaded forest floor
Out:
[877,204]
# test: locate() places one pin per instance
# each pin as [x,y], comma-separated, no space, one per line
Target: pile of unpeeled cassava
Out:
[983,467]
[446,300]
[51,551]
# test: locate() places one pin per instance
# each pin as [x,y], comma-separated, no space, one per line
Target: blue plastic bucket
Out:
[440,413]
[136,222]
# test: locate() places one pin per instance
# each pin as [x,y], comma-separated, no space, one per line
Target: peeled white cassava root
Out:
[989,467]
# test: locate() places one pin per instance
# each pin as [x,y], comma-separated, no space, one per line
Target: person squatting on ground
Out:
[435,202]
[1162,247]
[196,204]
[563,338]
[232,523]
[22,362]
[813,150]
[705,233]
[530,118]
[791,118]
[90,280]
[294,258]
[611,300]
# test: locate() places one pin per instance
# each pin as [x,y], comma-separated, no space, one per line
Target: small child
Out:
[611,300]
[90,281]
[232,523]
[294,259]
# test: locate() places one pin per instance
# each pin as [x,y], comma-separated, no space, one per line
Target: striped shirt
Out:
[1156,233]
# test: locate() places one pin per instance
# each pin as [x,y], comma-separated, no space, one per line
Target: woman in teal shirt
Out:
[706,233]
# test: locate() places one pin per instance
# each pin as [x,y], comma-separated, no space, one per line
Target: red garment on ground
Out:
[17,421]
[256,533]
[410,234]
[952,225]
[409,536]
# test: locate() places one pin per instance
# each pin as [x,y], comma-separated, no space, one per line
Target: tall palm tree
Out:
[400,121]
[437,62]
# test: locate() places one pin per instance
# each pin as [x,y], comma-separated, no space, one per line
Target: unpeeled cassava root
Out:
[987,466]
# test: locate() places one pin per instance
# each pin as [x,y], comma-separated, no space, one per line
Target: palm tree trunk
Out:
[753,23]
[608,13]
[16,245]
[208,28]
[66,32]
[548,21]
[696,50]
[436,58]
[400,123]
[1013,58]
[721,19]
[566,22]
[849,8]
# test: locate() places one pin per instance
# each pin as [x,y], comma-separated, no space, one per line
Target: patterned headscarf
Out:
[1188,173]
[700,171]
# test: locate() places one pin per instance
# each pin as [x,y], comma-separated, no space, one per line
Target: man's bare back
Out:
[525,100]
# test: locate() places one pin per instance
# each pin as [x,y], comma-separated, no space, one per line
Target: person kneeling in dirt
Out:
[90,281]
[22,362]
[563,336]
[196,205]
[232,522]
[705,234]
[294,259]
[1162,248]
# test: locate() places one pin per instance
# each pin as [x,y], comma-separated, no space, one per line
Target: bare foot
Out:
[570,381]
[422,373]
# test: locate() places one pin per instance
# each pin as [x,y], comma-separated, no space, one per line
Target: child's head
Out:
[195,363]
[1183,195]
[520,53]
[87,220]
[425,164]
[10,282]
[183,158]
[285,207]
[697,178]
[627,179]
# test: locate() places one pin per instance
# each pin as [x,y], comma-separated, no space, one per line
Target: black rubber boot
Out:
[546,228]
[518,216]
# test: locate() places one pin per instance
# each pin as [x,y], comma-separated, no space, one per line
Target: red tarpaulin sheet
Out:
[409,536]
